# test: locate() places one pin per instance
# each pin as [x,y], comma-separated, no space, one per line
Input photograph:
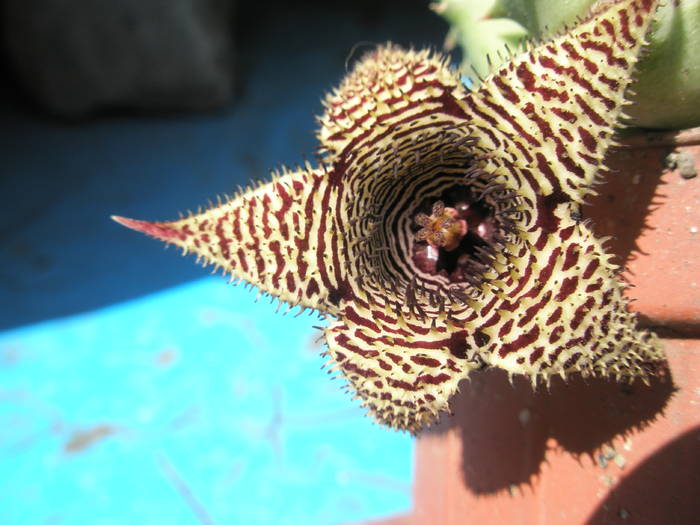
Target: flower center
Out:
[444,228]
[453,238]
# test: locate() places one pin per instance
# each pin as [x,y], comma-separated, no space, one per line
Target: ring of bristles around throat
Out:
[403,180]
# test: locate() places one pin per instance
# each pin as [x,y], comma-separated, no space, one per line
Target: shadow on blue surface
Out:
[166,402]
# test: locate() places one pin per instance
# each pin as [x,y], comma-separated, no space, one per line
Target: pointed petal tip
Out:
[160,230]
[129,223]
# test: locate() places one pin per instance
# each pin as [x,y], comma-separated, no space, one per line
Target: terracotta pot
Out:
[593,451]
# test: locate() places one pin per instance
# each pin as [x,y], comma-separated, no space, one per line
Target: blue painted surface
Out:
[134,389]
[105,415]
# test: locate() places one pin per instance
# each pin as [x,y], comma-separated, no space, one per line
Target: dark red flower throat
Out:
[455,235]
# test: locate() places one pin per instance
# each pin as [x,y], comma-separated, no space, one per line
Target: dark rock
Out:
[76,56]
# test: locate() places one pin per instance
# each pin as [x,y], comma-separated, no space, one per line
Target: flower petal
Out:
[404,369]
[387,87]
[275,236]
[560,309]
[547,117]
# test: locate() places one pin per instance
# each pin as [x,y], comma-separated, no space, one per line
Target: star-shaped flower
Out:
[441,230]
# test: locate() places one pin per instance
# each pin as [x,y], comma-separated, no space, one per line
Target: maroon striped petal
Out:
[402,368]
[275,236]
[547,117]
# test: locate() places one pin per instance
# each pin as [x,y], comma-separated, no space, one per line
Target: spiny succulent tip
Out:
[160,230]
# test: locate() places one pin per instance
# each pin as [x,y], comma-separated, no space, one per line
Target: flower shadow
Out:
[630,193]
[505,429]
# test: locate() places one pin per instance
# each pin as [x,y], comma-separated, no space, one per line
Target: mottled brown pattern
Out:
[535,293]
